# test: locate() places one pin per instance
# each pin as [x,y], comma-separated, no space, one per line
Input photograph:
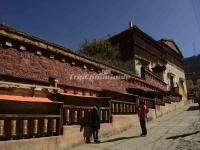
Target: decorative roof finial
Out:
[130,24]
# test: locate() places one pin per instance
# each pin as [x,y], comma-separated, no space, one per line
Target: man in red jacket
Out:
[142,114]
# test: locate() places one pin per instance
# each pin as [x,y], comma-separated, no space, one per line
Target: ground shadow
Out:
[85,127]
[87,133]
[183,135]
[120,138]
[192,108]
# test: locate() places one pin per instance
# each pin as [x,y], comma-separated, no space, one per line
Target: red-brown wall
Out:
[25,64]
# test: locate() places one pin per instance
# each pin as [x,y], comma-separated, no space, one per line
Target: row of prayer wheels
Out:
[149,103]
[27,127]
[76,116]
[123,108]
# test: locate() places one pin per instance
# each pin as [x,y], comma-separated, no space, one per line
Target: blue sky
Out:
[69,22]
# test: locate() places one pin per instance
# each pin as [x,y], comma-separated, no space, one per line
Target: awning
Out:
[26,99]
[137,91]
[141,92]
[117,92]
[146,98]
[81,100]
[83,96]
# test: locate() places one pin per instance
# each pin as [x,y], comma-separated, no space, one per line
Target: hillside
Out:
[192,64]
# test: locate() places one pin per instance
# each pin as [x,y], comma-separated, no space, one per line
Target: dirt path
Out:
[178,130]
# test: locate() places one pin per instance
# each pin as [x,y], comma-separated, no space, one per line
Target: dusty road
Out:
[178,130]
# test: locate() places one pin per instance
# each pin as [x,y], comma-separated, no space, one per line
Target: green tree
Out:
[101,50]
[104,51]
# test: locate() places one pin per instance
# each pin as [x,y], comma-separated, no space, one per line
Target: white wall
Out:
[178,72]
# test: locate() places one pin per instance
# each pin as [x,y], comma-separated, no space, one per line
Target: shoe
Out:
[97,142]
[87,142]
[143,135]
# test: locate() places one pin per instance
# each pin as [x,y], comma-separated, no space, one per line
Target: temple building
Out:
[162,57]
[48,91]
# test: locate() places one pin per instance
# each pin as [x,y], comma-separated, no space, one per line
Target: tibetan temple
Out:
[41,96]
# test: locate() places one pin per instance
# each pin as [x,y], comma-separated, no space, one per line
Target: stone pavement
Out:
[164,133]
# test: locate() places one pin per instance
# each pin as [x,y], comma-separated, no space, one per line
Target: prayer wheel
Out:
[67,113]
[120,108]
[124,107]
[79,116]
[131,108]
[1,127]
[82,114]
[53,125]
[45,126]
[25,127]
[75,116]
[117,107]
[13,127]
[72,116]
[106,115]
[113,107]
[35,126]
[127,107]
[101,115]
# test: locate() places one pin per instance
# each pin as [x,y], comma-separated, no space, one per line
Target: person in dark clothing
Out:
[142,114]
[95,123]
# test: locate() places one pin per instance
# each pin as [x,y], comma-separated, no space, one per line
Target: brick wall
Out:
[153,80]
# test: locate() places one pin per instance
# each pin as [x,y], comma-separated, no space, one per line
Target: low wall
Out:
[162,110]
[75,135]
[72,135]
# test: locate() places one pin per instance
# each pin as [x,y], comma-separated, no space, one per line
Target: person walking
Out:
[95,123]
[142,114]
